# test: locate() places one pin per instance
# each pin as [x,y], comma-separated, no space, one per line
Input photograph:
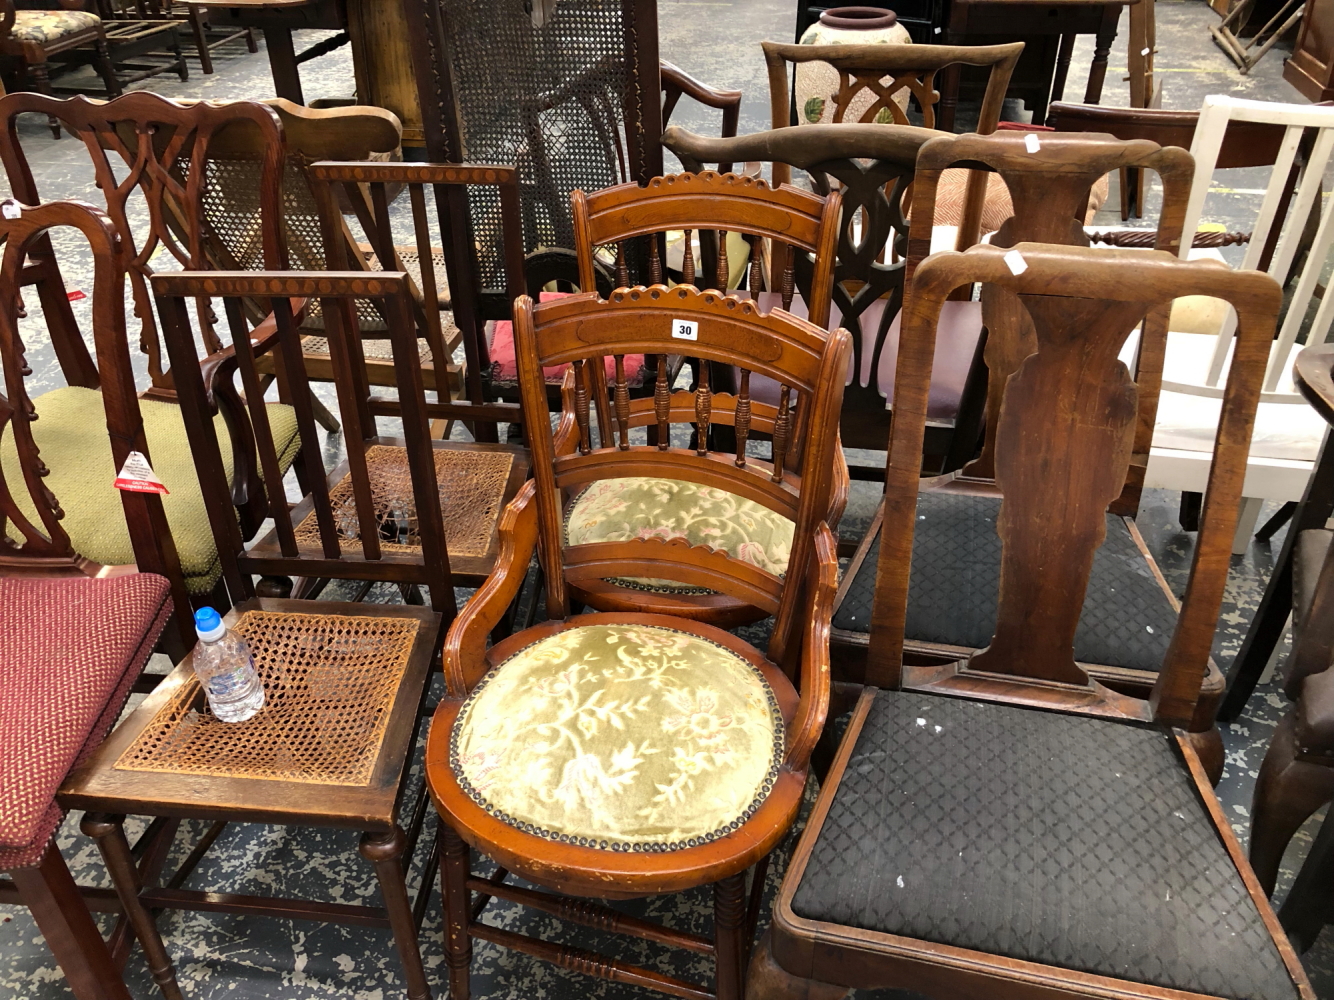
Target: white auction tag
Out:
[1145,51]
[137,476]
[1031,143]
[11,210]
[1014,260]
[685,329]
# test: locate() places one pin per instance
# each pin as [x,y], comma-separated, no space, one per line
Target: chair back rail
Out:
[808,363]
[1215,117]
[1064,442]
[910,69]
[368,188]
[172,173]
[315,538]
[1049,189]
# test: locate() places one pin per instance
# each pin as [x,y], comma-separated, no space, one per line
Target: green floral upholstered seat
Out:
[625,737]
[71,436]
[617,510]
[46,26]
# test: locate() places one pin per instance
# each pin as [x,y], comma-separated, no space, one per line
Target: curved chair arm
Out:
[810,720]
[465,645]
[1313,373]
[676,81]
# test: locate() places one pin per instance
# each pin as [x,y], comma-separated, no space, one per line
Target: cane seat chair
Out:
[77,634]
[169,173]
[344,681]
[779,222]
[1084,852]
[674,803]
[1130,615]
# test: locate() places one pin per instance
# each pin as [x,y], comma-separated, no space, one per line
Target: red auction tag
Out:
[76,295]
[137,476]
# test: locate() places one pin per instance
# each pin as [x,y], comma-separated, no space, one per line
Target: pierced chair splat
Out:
[672,826]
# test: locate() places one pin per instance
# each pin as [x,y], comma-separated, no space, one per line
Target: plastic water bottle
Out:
[226,669]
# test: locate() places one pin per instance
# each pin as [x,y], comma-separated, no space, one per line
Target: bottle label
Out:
[228,685]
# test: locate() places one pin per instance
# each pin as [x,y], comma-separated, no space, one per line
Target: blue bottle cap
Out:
[207,622]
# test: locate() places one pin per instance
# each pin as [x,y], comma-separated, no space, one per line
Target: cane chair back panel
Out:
[172,171]
[369,188]
[567,102]
[1064,440]
[348,536]
[807,363]
[1049,188]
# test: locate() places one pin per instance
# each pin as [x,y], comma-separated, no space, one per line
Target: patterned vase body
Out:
[818,83]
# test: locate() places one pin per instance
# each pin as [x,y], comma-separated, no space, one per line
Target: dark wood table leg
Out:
[282,63]
[1098,71]
[1062,67]
[949,98]
[50,893]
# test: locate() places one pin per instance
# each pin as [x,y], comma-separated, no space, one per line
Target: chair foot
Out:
[767,980]
[1287,792]
[50,893]
[729,923]
[109,832]
[385,851]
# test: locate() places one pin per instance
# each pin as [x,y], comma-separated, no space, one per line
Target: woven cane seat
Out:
[624,737]
[70,437]
[472,492]
[953,590]
[73,650]
[617,510]
[330,683]
[1075,842]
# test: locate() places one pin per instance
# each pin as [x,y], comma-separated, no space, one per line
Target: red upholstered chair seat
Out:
[500,345]
[70,650]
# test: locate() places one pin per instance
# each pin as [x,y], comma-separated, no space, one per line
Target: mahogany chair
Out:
[143,38]
[779,222]
[169,174]
[77,634]
[1296,778]
[344,681]
[699,797]
[1082,852]
[1131,613]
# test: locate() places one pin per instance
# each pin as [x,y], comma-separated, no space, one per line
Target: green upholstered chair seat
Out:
[71,436]
[617,510]
[47,26]
[625,737]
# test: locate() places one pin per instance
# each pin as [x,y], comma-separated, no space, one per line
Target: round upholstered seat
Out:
[617,510]
[623,737]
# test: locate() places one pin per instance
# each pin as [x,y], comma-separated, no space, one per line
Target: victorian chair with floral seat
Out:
[344,680]
[77,634]
[1083,853]
[781,221]
[33,36]
[170,172]
[691,747]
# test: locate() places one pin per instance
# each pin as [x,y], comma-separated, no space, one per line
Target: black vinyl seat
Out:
[953,592]
[1074,842]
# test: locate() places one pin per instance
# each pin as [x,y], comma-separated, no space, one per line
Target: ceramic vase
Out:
[817,83]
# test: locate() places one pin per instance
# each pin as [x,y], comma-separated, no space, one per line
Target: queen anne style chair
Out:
[77,634]
[344,682]
[782,223]
[1082,853]
[686,762]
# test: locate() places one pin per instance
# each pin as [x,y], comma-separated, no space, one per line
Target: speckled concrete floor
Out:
[232,957]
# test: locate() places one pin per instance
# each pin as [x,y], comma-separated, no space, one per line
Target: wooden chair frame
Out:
[1029,664]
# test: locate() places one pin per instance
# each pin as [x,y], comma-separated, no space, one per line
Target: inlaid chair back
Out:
[172,172]
[346,530]
[32,539]
[808,363]
[1064,442]
[369,189]
[1049,176]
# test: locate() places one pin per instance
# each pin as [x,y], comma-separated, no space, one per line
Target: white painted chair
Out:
[1288,433]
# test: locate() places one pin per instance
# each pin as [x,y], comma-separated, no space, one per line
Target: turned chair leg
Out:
[106,69]
[40,76]
[50,893]
[200,39]
[385,851]
[109,832]
[767,980]
[1287,792]
[455,864]
[729,923]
